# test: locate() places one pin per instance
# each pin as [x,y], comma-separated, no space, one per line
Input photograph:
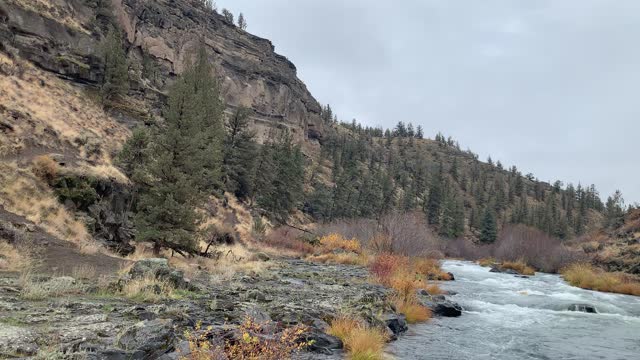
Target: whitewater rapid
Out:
[508,317]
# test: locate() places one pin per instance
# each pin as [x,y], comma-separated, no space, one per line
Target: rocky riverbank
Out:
[84,321]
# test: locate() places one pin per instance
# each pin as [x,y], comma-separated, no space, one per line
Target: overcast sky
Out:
[547,85]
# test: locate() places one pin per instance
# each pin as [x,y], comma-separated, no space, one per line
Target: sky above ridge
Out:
[549,86]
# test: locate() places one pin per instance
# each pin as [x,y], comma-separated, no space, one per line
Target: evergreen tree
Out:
[228,16]
[280,178]
[115,83]
[489,230]
[239,153]
[184,160]
[134,154]
[242,23]
[419,132]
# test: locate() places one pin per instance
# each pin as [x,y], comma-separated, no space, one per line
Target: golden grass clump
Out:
[486,261]
[520,266]
[413,311]
[429,268]
[149,289]
[587,276]
[361,342]
[13,258]
[336,241]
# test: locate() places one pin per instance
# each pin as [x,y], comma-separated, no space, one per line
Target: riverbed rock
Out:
[440,306]
[152,337]
[497,269]
[586,308]
[396,323]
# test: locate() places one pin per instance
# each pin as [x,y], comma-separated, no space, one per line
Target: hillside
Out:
[357,172]
[170,189]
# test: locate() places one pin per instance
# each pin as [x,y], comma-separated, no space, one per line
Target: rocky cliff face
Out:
[62,36]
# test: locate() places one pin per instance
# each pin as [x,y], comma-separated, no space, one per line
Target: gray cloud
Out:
[548,86]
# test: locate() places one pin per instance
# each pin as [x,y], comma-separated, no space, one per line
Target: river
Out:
[507,317]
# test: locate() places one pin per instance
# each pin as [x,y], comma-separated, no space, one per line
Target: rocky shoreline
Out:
[89,324]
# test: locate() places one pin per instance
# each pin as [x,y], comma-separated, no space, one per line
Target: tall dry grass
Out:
[361,342]
[587,276]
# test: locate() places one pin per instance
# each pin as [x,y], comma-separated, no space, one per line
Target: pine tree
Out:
[134,154]
[419,132]
[280,177]
[228,16]
[242,23]
[184,161]
[239,153]
[115,83]
[489,230]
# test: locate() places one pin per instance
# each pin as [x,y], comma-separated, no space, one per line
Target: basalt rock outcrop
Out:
[63,37]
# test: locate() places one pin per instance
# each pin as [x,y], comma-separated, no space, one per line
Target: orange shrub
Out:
[336,241]
[385,265]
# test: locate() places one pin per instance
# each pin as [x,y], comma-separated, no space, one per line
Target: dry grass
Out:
[433,289]
[361,259]
[360,341]
[587,276]
[32,289]
[22,194]
[429,268]
[56,12]
[413,311]
[51,113]
[486,261]
[336,241]
[45,168]
[84,272]
[14,258]
[227,261]
[520,266]
[149,289]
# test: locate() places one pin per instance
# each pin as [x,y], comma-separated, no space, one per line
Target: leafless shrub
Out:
[535,247]
[409,234]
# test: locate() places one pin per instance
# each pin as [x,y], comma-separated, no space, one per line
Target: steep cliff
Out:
[62,36]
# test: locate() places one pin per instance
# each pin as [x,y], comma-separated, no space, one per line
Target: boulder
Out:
[322,343]
[395,322]
[152,337]
[586,308]
[440,306]
[497,269]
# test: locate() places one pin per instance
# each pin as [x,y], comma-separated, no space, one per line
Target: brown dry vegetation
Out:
[22,194]
[520,266]
[14,258]
[257,341]
[361,341]
[587,276]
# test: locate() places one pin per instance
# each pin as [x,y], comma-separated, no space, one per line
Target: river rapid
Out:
[508,317]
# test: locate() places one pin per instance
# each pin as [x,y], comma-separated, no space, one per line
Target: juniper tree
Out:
[239,153]
[184,160]
[489,230]
[242,22]
[115,82]
[134,154]
[228,16]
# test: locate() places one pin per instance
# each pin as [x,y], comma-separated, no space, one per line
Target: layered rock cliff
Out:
[63,36]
